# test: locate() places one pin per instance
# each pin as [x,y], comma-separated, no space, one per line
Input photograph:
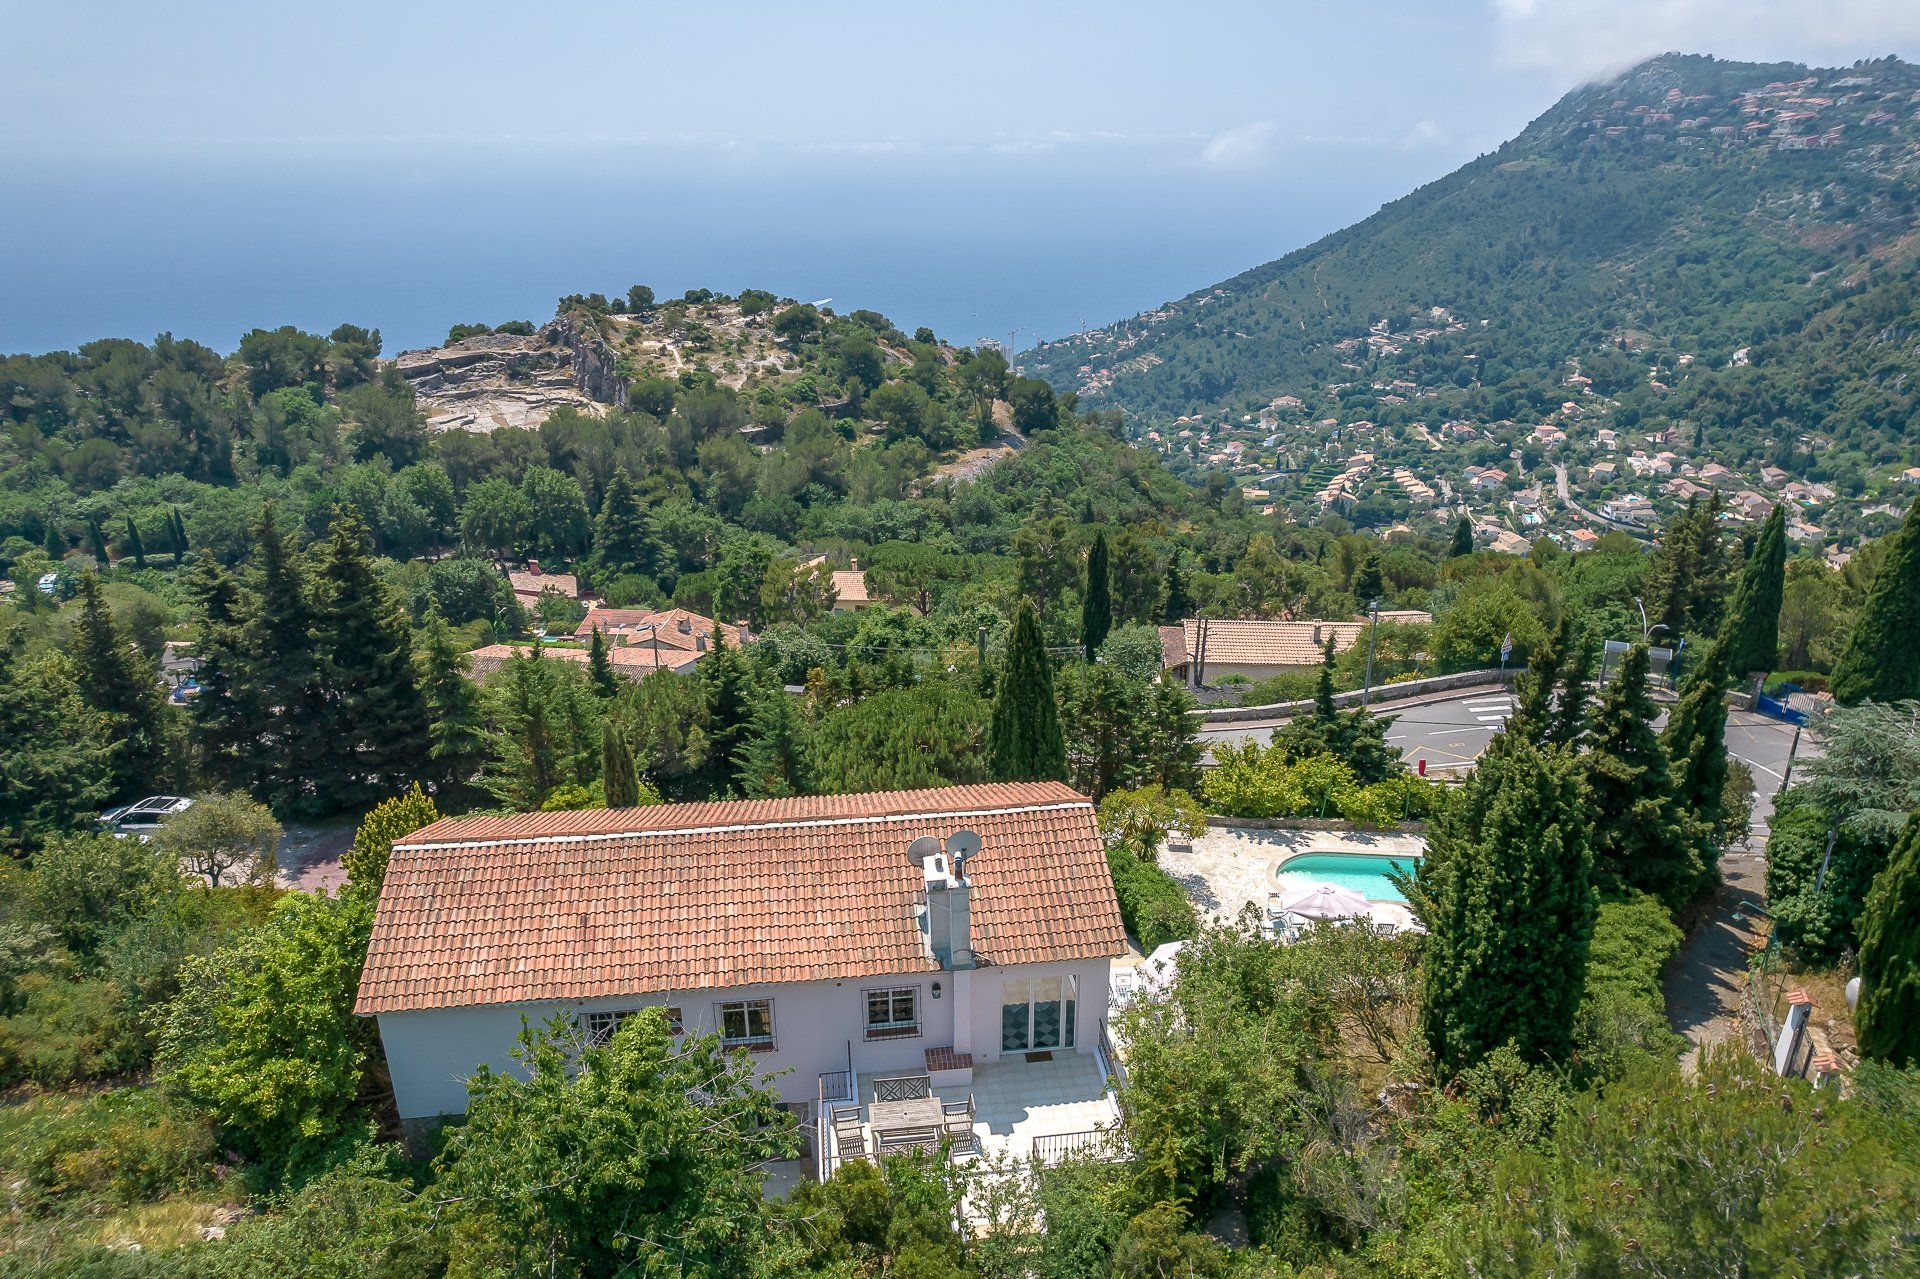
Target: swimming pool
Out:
[1364,873]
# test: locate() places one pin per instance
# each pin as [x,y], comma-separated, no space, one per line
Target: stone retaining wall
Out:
[1382,694]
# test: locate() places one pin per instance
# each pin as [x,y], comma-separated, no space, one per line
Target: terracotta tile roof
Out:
[850,587]
[1240,642]
[668,627]
[530,583]
[540,906]
[631,660]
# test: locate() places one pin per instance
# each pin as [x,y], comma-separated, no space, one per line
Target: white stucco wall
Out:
[432,1052]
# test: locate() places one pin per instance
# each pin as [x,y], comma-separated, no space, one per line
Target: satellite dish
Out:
[922,848]
[963,844]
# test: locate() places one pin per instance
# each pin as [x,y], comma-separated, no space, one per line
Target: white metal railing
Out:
[1105,1144]
[835,1088]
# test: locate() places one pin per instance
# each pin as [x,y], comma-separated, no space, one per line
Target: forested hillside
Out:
[1725,248]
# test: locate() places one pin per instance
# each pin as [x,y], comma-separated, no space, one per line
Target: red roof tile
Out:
[680,897]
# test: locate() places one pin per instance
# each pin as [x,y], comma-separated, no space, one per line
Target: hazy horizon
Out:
[996,173]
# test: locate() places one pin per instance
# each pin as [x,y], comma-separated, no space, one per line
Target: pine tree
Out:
[728,684]
[55,760]
[1176,603]
[1096,602]
[279,680]
[376,717]
[176,535]
[1532,716]
[1670,584]
[224,726]
[456,735]
[1024,741]
[116,681]
[1641,836]
[771,765]
[531,751]
[98,541]
[135,547]
[1888,1016]
[600,666]
[1462,539]
[1752,635]
[1507,896]
[619,779]
[623,537]
[1882,658]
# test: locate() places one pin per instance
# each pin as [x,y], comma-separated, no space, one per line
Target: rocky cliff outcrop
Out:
[493,380]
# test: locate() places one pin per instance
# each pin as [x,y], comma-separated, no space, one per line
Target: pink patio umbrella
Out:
[1323,901]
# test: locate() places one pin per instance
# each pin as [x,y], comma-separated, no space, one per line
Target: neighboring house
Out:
[826,935]
[1773,477]
[659,628]
[529,584]
[634,661]
[1414,615]
[1206,650]
[1911,475]
[1629,510]
[1582,539]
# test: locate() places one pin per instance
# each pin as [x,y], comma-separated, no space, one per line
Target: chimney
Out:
[949,914]
[1317,641]
[854,564]
[533,566]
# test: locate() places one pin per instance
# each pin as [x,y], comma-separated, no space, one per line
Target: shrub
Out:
[68,1030]
[1153,906]
[1623,1014]
[130,1146]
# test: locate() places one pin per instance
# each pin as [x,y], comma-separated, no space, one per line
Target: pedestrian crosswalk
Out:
[1492,711]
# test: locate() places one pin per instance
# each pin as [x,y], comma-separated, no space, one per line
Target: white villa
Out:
[910,967]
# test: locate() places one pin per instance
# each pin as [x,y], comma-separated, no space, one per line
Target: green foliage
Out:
[1141,818]
[1752,640]
[1735,1172]
[1123,731]
[1507,896]
[1816,912]
[1024,742]
[1251,780]
[456,734]
[1153,906]
[894,1217]
[366,861]
[55,762]
[1881,662]
[1096,600]
[637,1153]
[361,1219]
[1888,1015]
[222,835]
[1642,837]
[130,1146]
[123,689]
[263,1040]
[932,734]
[87,888]
[543,730]
[1623,1014]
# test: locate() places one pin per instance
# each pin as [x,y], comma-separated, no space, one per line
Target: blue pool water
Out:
[1366,875]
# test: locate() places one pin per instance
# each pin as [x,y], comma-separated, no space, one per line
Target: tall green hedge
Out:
[1153,906]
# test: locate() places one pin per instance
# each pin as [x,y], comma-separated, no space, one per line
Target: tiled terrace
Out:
[1024,1108]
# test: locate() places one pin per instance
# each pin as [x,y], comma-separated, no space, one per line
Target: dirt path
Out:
[310,855]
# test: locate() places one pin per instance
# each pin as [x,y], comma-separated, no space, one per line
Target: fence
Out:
[1380,694]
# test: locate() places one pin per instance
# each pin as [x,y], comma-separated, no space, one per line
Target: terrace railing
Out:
[1102,1144]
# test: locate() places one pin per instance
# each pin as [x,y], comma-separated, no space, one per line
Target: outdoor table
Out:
[900,1116]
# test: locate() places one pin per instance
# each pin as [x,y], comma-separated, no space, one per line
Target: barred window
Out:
[747,1024]
[893,1013]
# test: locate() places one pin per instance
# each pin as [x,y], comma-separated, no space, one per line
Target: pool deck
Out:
[1229,868]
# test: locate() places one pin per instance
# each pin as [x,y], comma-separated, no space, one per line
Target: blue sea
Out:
[1016,251]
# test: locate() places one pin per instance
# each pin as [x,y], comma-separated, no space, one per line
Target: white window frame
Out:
[752,1043]
[601,1023]
[894,1028]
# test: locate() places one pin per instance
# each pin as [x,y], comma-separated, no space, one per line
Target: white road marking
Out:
[1501,705]
[1491,719]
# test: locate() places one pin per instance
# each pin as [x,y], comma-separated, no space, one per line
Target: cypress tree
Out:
[1462,539]
[1024,741]
[1670,584]
[1176,604]
[98,541]
[376,717]
[1323,708]
[1888,1016]
[771,764]
[1532,716]
[224,727]
[527,757]
[55,542]
[619,779]
[1569,721]
[1507,896]
[1641,836]
[1882,658]
[1096,603]
[1753,626]
[1696,738]
[392,819]
[729,688]
[456,736]
[623,536]
[600,666]
[176,535]
[1369,583]
[135,547]
[279,680]
[116,681]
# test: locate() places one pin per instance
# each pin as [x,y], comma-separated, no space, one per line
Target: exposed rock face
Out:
[500,379]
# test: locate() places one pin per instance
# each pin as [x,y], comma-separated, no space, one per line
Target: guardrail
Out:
[836,1087]
[1103,1144]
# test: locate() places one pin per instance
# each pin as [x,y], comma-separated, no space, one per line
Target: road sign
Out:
[1506,647]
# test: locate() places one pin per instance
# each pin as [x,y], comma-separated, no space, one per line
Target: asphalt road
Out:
[1449,731]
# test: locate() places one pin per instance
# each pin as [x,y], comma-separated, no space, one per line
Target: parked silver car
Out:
[144,817]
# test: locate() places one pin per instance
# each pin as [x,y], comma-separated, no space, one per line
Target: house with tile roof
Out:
[958,938]
[1205,650]
[676,628]
[531,582]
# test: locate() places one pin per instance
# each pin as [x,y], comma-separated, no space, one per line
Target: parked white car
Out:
[143,818]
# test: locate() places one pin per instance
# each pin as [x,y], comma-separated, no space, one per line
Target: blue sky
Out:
[990,168]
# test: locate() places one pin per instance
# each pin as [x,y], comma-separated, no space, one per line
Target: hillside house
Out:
[530,583]
[659,628]
[1202,651]
[946,946]
[631,661]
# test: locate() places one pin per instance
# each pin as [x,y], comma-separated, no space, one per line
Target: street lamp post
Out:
[1373,628]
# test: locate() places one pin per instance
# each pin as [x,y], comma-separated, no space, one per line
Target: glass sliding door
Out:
[1037,1013]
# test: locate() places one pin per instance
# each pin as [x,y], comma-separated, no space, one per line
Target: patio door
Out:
[1037,1013]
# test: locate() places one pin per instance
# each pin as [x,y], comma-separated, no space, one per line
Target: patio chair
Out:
[1385,928]
[902,1088]
[956,1124]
